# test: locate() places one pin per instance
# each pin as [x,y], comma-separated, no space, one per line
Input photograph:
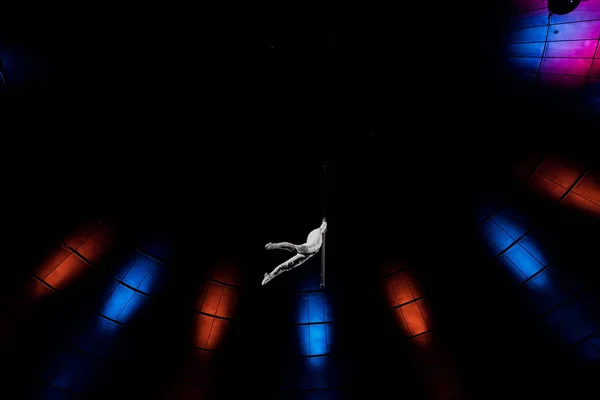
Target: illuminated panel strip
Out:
[560,51]
[567,183]
[62,266]
[69,261]
[411,312]
[91,339]
[214,309]
[313,370]
[216,304]
[552,295]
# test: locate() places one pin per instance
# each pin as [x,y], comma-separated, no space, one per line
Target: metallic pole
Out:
[324,214]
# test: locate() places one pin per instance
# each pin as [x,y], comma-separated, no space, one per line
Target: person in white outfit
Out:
[303,252]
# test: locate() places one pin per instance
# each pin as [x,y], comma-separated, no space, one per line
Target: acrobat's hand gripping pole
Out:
[323,239]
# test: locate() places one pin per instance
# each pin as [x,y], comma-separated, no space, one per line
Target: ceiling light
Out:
[562,7]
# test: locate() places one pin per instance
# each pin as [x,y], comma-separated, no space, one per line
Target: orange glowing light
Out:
[563,180]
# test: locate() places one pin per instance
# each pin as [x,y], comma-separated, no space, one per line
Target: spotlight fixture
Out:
[562,7]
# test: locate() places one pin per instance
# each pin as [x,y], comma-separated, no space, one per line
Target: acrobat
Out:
[303,252]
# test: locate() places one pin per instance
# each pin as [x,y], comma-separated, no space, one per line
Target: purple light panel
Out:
[558,50]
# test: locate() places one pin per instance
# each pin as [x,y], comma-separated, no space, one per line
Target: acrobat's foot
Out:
[267,278]
[270,246]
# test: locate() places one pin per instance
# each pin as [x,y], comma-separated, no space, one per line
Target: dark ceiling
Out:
[198,134]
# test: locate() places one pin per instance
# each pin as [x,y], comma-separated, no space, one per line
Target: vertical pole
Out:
[324,214]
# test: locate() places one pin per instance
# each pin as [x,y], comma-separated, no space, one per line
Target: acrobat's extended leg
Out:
[290,264]
[294,248]
[282,246]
